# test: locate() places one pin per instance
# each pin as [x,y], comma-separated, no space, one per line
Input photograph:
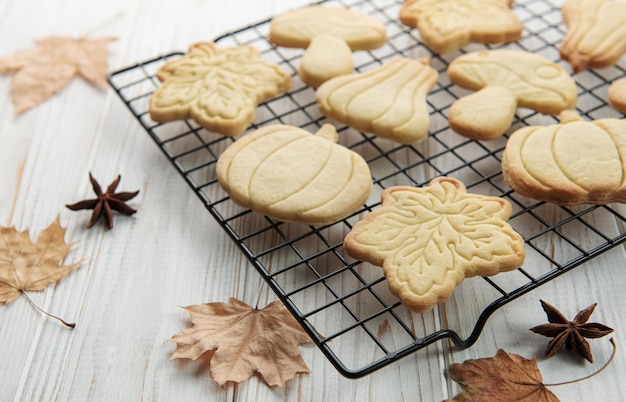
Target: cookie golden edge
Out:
[517,177]
[617,95]
[522,182]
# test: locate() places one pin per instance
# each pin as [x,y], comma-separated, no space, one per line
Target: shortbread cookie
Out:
[596,36]
[448,25]
[505,80]
[617,95]
[574,162]
[329,35]
[389,101]
[326,57]
[218,88]
[427,240]
[290,175]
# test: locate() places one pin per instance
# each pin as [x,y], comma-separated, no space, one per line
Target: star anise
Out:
[570,334]
[105,202]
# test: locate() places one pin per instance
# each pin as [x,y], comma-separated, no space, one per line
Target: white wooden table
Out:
[126,297]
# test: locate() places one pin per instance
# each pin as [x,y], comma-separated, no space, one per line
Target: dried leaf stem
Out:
[71,325]
[262,286]
[592,374]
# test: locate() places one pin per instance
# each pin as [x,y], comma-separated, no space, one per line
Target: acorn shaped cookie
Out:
[574,162]
[288,174]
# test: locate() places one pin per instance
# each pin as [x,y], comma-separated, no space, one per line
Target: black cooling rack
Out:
[344,304]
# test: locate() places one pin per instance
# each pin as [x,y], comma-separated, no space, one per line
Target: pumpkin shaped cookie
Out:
[427,240]
[219,88]
[288,174]
[574,162]
[505,80]
[389,101]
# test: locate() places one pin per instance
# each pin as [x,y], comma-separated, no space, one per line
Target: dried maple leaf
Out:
[570,334]
[42,72]
[26,265]
[504,377]
[240,341]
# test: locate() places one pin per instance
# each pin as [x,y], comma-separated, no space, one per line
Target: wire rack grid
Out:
[341,302]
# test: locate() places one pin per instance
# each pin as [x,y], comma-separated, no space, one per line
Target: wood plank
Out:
[127,296]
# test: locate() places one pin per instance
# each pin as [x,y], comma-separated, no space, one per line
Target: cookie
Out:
[573,162]
[617,95]
[329,35]
[389,101]
[288,174]
[448,25]
[220,88]
[505,80]
[427,240]
[325,58]
[596,36]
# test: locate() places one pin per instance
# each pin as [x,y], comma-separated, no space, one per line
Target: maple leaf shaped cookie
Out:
[42,72]
[240,341]
[218,88]
[427,240]
[448,25]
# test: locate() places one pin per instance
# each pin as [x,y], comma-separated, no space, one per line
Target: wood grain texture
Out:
[126,297]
